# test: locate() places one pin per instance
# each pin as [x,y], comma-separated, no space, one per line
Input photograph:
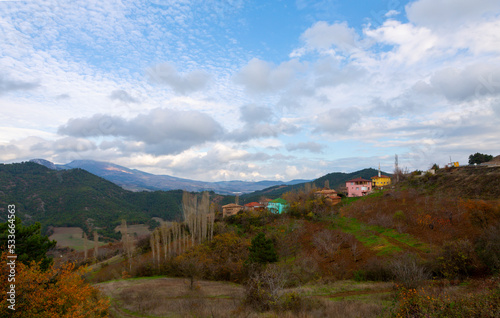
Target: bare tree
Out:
[327,243]
[355,250]
[157,244]
[127,243]
[85,247]
[152,244]
[96,245]
[164,232]
[265,287]
[307,188]
[197,217]
[408,272]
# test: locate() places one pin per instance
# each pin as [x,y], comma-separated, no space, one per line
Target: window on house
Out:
[357,188]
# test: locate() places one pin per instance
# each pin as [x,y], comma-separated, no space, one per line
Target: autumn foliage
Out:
[57,292]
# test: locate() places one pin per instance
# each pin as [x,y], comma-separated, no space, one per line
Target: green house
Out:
[277,206]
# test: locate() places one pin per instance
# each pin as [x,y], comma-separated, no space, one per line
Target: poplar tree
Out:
[96,245]
[152,244]
[85,247]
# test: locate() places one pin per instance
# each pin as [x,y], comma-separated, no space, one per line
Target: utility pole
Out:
[396,168]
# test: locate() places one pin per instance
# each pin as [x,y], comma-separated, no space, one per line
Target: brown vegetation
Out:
[408,236]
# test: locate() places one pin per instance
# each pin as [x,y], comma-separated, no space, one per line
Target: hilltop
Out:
[472,182]
[78,198]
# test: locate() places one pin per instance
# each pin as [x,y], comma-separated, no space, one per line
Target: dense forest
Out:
[78,198]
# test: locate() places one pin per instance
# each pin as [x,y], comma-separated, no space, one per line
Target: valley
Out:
[427,245]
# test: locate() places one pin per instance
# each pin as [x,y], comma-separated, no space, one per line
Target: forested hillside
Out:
[78,198]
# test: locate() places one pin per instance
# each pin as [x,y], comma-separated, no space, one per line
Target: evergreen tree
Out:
[262,250]
[478,158]
[30,245]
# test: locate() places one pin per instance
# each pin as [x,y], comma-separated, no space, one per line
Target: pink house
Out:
[358,187]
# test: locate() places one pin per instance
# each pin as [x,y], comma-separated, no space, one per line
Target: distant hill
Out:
[335,180]
[78,198]
[136,180]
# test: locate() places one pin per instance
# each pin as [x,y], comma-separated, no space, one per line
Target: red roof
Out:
[252,204]
[358,180]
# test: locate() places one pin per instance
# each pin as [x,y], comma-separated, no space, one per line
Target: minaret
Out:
[379,175]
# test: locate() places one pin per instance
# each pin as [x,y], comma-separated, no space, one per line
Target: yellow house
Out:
[380,180]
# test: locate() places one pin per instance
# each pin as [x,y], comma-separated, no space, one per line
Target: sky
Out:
[250,90]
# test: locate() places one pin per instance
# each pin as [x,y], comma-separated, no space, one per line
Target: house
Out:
[330,196]
[380,180]
[277,206]
[264,201]
[358,187]
[252,206]
[231,209]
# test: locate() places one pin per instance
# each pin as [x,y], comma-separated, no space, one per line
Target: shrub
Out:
[488,248]
[408,272]
[480,212]
[456,260]
[415,303]
[54,292]
[264,289]
[375,270]
[399,216]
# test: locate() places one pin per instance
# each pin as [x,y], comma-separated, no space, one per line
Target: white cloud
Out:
[412,43]
[252,113]
[163,131]
[123,96]
[192,81]
[337,121]
[260,77]
[322,36]
[392,13]
[309,146]
[474,81]
[450,13]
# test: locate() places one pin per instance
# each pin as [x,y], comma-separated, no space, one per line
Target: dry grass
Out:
[171,297]
[71,237]
[138,229]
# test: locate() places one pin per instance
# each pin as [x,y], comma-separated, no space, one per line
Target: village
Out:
[357,187]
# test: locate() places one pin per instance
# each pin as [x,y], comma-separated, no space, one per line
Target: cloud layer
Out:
[220,90]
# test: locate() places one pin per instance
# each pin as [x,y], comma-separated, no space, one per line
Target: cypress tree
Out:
[262,250]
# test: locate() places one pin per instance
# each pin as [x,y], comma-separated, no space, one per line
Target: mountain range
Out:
[75,197]
[136,180]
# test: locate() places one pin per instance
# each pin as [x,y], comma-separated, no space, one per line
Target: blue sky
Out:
[250,90]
